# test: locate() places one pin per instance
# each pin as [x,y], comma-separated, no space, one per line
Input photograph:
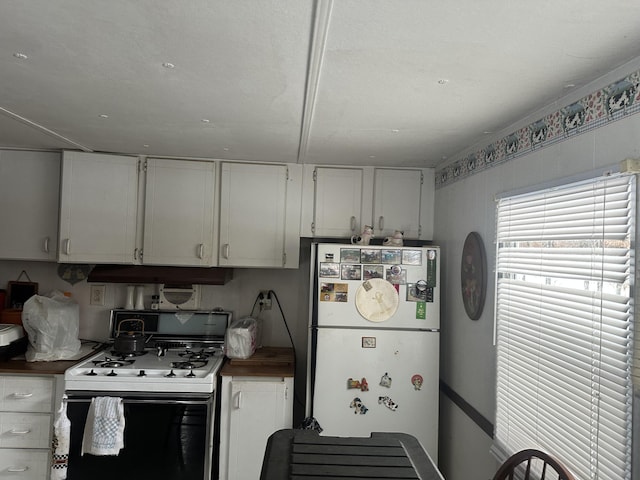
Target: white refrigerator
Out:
[374,341]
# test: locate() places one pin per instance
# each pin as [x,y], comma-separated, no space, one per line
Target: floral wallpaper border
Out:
[611,103]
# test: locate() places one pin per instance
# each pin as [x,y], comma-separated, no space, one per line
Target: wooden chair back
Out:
[521,463]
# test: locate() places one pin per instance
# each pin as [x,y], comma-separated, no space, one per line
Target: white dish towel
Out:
[104,428]
[60,443]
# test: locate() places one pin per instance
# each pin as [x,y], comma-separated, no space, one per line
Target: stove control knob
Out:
[112,374]
[191,374]
[170,374]
[142,373]
[91,373]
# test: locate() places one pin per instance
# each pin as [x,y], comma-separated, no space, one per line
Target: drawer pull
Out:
[17,469]
[22,395]
[13,431]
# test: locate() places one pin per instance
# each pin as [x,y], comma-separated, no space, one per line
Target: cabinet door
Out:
[98,208]
[258,409]
[252,215]
[29,194]
[178,216]
[397,200]
[338,202]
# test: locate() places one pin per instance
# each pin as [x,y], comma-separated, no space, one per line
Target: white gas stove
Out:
[182,353]
[155,370]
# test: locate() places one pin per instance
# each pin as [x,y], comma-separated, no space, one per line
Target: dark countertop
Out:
[265,362]
[58,367]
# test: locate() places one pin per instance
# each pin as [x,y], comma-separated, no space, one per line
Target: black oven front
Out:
[166,436]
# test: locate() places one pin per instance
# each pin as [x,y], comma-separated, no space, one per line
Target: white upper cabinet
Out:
[259,215]
[29,191]
[179,213]
[338,202]
[337,209]
[98,208]
[397,202]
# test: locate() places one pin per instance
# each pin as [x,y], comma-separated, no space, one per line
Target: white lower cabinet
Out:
[252,408]
[26,418]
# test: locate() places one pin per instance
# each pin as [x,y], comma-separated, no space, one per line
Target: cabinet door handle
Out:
[135,254]
[201,251]
[67,246]
[45,247]
[17,469]
[225,250]
[22,395]
[381,223]
[19,432]
[353,223]
[238,400]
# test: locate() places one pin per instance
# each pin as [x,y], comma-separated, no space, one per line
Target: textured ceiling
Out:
[359,82]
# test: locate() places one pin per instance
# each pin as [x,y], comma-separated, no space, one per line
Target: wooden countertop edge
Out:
[56,367]
[257,370]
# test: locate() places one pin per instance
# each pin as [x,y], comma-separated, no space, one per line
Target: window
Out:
[564,275]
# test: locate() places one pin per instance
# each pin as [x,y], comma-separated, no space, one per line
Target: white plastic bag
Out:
[241,338]
[52,325]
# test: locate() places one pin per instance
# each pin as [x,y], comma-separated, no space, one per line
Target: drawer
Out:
[20,430]
[26,394]
[24,464]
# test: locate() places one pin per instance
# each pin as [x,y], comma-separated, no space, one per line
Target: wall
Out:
[467,203]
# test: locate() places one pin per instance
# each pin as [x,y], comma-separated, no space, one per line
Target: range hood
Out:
[159,274]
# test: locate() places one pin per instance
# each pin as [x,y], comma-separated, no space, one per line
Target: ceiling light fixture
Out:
[21,56]
[103,115]
[205,120]
[394,130]
[168,65]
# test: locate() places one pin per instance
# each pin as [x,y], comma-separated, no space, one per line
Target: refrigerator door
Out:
[378,287]
[370,380]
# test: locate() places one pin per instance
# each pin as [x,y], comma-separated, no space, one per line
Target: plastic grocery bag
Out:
[52,325]
[241,338]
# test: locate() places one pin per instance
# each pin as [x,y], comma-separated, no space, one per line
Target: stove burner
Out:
[109,362]
[123,355]
[189,365]
[191,355]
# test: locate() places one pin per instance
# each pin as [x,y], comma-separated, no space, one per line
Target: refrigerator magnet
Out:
[387,402]
[361,385]
[412,257]
[417,381]
[350,255]
[358,406]
[370,256]
[385,381]
[350,272]
[368,342]
[329,269]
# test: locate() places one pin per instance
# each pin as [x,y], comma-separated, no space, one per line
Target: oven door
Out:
[167,437]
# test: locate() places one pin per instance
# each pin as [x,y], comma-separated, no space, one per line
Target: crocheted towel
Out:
[60,443]
[104,428]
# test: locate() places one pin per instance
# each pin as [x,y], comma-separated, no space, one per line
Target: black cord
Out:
[254,305]
[293,346]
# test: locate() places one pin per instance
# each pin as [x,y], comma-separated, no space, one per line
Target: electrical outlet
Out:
[96,294]
[265,300]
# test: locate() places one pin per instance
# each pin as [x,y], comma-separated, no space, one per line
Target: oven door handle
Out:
[157,401]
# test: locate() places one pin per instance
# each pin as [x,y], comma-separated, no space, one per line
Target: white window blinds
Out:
[563,325]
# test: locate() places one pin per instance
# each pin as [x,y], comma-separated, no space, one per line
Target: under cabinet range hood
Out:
[158,274]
